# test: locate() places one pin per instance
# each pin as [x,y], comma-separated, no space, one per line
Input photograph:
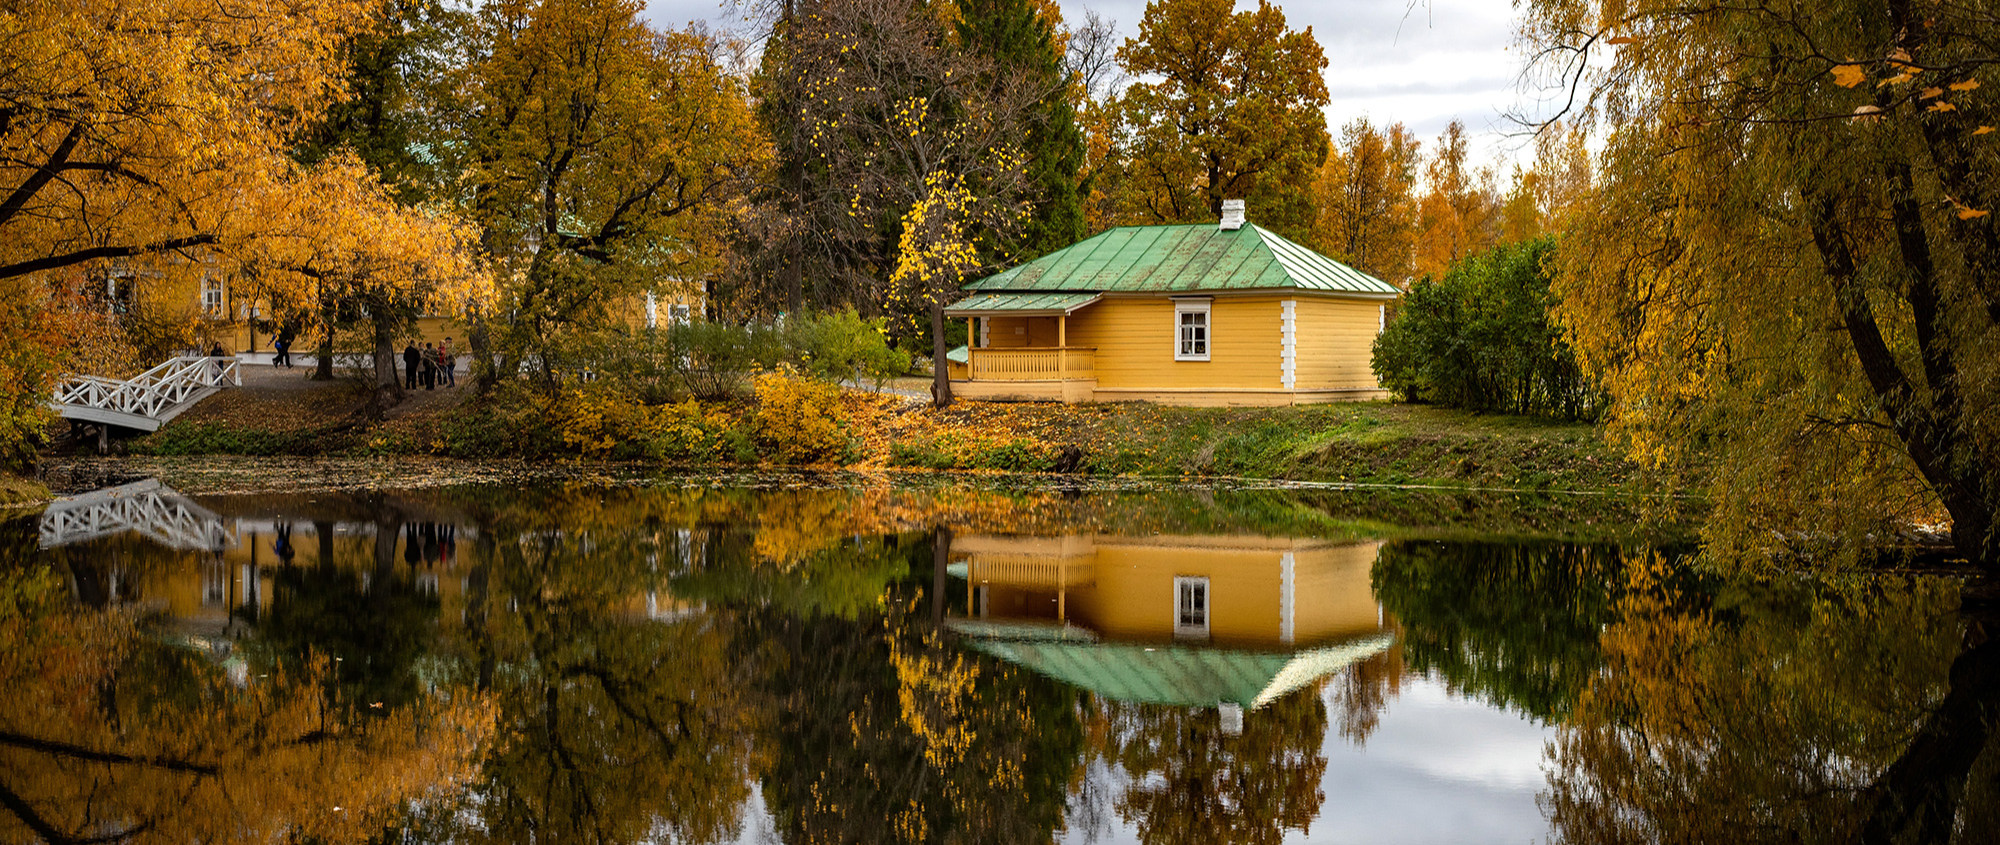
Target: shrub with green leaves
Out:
[1482,339]
[841,345]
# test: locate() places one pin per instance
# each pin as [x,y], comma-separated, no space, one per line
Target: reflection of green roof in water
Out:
[1182,675]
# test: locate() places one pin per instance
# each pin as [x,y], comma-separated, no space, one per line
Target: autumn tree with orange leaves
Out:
[342,236]
[599,156]
[1230,108]
[1457,213]
[1366,193]
[142,132]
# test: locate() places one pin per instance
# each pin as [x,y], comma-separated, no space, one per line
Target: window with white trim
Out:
[1190,606]
[652,311]
[1191,331]
[678,313]
[211,298]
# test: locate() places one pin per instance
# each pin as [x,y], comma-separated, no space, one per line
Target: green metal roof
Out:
[985,304]
[1199,257]
[1180,675]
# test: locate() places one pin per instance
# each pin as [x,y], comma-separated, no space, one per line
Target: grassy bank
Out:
[794,422]
[21,491]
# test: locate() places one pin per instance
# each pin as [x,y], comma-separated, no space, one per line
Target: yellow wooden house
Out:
[1228,314]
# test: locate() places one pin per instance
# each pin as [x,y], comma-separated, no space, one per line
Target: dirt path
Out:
[281,399]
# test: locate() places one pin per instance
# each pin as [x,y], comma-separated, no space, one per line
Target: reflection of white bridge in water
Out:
[148,400]
[156,511]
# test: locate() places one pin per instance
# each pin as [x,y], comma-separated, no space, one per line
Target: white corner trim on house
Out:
[1289,360]
[1287,587]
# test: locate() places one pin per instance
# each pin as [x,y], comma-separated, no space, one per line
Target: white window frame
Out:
[679,314]
[1207,339]
[652,311]
[1186,586]
[214,297]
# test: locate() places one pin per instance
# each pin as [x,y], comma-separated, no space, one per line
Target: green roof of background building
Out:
[1184,258]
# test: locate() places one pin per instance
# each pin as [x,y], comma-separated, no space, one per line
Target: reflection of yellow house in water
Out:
[1230,621]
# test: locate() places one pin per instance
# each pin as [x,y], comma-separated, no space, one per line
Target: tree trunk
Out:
[388,388]
[940,563]
[940,367]
[1918,798]
[323,368]
[323,532]
[482,372]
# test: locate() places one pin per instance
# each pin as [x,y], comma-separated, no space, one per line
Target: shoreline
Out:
[810,425]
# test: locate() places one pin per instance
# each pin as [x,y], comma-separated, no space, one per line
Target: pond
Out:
[855,660]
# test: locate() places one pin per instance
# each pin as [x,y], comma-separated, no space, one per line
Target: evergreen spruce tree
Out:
[1018,41]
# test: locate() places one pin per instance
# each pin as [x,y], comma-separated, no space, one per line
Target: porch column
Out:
[1062,347]
[971,343]
[1062,589]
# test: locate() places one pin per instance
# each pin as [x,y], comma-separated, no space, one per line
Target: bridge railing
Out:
[148,507]
[153,391]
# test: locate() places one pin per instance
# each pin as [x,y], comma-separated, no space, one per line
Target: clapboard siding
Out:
[1014,332]
[1135,338]
[1336,339]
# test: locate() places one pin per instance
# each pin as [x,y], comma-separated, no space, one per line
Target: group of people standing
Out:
[431,365]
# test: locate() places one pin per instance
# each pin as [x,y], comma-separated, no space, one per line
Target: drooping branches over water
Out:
[1792,264]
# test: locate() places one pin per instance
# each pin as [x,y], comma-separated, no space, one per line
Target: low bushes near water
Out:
[800,420]
[715,361]
[21,491]
[794,420]
[214,437]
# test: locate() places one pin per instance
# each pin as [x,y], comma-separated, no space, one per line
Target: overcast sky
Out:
[1421,64]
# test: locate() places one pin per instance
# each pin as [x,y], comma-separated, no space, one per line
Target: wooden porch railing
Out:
[1032,363]
[1042,572]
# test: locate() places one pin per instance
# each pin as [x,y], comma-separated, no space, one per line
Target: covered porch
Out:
[1020,348]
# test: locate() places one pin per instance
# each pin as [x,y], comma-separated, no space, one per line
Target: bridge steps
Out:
[149,400]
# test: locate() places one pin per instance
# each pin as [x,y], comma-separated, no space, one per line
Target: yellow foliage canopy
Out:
[339,231]
[134,128]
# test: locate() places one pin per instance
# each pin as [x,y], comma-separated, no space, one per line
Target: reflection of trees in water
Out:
[1769,712]
[1514,623]
[371,614]
[798,651]
[1189,782]
[881,733]
[879,730]
[611,730]
[1363,690]
[109,733]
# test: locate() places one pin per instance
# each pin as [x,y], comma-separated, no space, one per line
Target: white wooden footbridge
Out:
[148,400]
[154,510]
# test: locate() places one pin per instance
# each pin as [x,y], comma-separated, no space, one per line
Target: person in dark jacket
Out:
[411,357]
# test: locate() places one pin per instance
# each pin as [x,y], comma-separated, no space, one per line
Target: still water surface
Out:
[659,663]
